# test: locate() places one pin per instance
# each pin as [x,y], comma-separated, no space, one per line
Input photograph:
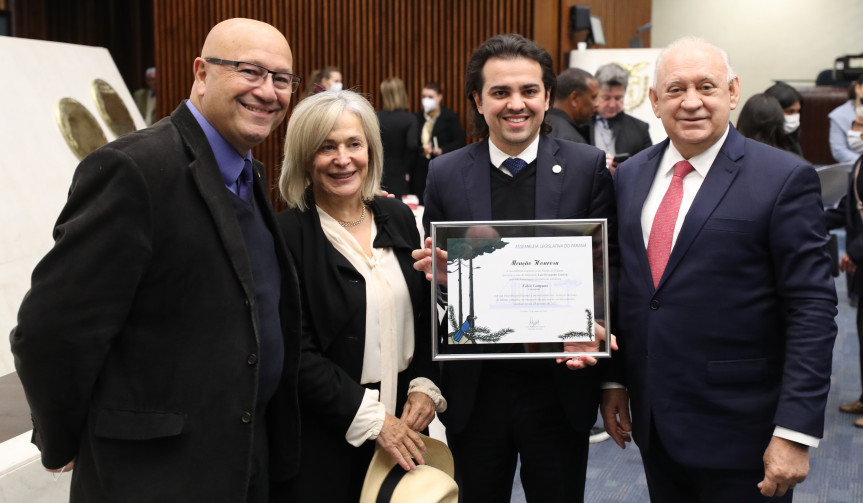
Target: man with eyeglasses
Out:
[158,346]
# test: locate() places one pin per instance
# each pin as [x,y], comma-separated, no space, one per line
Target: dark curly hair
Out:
[508,46]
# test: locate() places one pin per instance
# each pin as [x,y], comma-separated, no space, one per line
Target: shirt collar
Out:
[701,162]
[528,155]
[230,162]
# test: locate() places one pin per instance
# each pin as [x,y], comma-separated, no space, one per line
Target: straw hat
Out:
[387,482]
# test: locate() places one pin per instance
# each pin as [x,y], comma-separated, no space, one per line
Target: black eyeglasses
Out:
[257,74]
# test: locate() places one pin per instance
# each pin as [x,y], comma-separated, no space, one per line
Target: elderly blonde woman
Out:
[366,375]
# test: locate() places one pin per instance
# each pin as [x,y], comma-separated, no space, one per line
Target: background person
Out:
[400,136]
[575,99]
[792,105]
[366,374]
[145,98]
[440,132]
[612,130]
[847,214]
[159,343]
[762,119]
[841,118]
[726,302]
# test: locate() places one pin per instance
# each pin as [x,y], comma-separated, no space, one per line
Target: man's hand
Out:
[401,442]
[580,362]
[59,471]
[847,265]
[418,412]
[614,410]
[423,262]
[786,464]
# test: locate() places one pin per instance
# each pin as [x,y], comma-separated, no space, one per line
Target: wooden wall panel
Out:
[124,28]
[370,40]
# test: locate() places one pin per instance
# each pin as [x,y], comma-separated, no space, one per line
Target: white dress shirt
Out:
[497,156]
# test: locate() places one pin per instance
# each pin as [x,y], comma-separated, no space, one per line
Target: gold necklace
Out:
[355,222]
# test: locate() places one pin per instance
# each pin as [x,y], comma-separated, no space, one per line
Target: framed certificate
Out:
[520,289]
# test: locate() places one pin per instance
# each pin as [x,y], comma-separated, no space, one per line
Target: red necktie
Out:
[659,243]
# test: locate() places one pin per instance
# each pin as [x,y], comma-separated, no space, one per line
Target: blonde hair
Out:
[394,95]
[310,124]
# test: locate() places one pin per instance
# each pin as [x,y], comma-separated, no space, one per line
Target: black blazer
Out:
[459,189]
[846,215]
[400,136]
[631,135]
[136,344]
[334,302]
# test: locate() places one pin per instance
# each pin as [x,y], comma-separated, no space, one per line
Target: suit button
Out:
[654,304]
[246,302]
[253,359]
[246,418]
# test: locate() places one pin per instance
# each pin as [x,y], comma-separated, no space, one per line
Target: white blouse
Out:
[389,331]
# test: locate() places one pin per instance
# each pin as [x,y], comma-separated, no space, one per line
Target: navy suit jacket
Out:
[737,337]
[458,188]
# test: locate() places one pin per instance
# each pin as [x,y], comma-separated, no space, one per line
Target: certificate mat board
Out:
[521,289]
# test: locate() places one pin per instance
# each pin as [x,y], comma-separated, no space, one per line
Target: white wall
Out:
[36,164]
[766,40]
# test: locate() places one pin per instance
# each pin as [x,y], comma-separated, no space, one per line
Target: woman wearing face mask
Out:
[440,132]
[762,119]
[841,119]
[791,103]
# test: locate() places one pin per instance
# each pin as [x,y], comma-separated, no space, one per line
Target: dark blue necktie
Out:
[514,165]
[244,181]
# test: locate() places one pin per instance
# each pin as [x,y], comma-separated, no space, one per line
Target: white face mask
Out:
[429,104]
[854,141]
[336,86]
[792,122]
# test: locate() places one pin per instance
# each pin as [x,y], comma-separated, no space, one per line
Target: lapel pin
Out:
[556,169]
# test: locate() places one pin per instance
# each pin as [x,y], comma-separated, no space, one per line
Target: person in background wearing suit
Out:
[159,343]
[366,373]
[400,135]
[145,98]
[847,214]
[503,410]
[440,132]
[574,104]
[726,302]
[612,130]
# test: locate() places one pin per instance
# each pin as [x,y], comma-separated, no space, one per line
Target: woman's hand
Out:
[402,443]
[418,411]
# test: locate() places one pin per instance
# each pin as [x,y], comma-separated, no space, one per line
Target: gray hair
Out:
[611,75]
[310,124]
[694,43]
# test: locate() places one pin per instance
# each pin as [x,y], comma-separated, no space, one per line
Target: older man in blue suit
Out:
[726,300]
